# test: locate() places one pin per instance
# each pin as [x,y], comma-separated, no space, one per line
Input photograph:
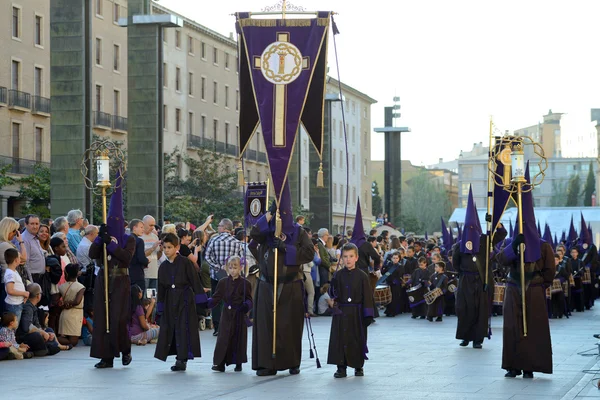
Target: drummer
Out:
[438,280]
[577,268]
[396,269]
[559,305]
[419,278]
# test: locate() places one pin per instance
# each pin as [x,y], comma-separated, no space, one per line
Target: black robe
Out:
[589,259]
[232,342]
[577,269]
[472,302]
[419,276]
[110,345]
[411,265]
[439,281]
[354,302]
[396,286]
[534,352]
[290,303]
[559,300]
[177,308]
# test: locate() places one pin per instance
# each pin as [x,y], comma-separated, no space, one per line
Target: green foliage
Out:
[35,188]
[207,189]
[5,180]
[590,187]
[559,193]
[299,210]
[424,201]
[573,191]
[376,202]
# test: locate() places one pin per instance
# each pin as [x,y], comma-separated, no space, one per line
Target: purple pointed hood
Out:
[572,232]
[471,234]
[358,232]
[585,239]
[115,221]
[548,236]
[539,229]
[533,248]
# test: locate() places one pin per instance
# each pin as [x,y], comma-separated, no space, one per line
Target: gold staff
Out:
[278,227]
[518,172]
[490,212]
[104,183]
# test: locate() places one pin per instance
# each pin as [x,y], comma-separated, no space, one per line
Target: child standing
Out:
[438,280]
[13,284]
[179,294]
[394,279]
[69,326]
[236,293]
[351,290]
[419,277]
[7,337]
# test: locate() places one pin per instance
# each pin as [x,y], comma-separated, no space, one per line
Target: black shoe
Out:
[527,375]
[294,371]
[512,373]
[421,317]
[266,372]
[126,359]
[597,335]
[27,355]
[464,343]
[216,333]
[414,317]
[430,319]
[359,372]
[238,368]
[340,373]
[179,366]
[218,368]
[104,364]
[53,350]
[438,319]
[477,345]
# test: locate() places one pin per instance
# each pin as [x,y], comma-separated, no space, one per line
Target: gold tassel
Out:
[240,175]
[320,182]
[278,225]
[257,22]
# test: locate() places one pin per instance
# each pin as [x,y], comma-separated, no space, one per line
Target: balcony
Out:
[3,96]
[19,101]
[41,106]
[20,166]
[194,142]
[220,147]
[102,120]
[231,149]
[250,155]
[119,124]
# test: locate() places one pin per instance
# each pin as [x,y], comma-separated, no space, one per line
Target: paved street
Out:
[409,359]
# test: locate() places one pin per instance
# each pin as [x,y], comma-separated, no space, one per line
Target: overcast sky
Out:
[453,63]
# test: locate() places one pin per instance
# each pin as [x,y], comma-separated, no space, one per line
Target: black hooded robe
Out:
[439,281]
[398,293]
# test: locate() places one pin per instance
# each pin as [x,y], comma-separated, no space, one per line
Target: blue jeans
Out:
[15,309]
[87,340]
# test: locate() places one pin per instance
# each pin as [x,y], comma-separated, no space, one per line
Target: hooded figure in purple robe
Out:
[589,256]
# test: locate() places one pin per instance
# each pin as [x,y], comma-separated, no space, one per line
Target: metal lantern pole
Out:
[103,169]
[518,173]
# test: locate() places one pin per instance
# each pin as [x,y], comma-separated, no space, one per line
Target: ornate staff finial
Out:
[283,6]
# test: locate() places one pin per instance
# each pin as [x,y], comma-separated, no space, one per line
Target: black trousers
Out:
[216,311]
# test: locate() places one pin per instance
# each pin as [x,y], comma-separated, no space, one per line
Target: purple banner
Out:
[256,202]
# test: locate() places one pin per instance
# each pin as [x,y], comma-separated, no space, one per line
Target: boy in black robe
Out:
[575,265]
[236,293]
[394,279]
[419,277]
[438,280]
[180,294]
[351,291]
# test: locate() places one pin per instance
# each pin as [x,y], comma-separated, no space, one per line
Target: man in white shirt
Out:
[83,249]
[152,250]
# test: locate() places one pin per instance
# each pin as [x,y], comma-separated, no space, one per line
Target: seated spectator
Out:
[325,302]
[69,327]
[140,332]
[13,284]
[7,335]
[88,326]
[41,341]
[148,305]
[59,248]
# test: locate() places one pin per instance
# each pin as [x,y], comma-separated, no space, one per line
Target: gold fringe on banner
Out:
[323,21]
[295,22]
[320,180]
[240,173]
[282,22]
[257,22]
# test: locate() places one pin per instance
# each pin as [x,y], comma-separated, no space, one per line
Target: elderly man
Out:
[36,261]
[75,221]
[218,250]
[324,255]
[152,250]
[83,249]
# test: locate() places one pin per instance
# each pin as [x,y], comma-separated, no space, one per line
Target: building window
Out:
[117,103]
[191,83]
[38,30]
[98,98]
[116,13]
[334,158]
[98,51]
[203,126]
[164,32]
[227,60]
[178,39]
[333,126]
[178,79]
[465,189]
[203,88]
[335,193]
[190,45]
[305,187]
[203,50]
[353,134]
[365,167]
[342,194]
[99,7]
[354,195]
[353,163]
[258,176]
[353,107]
[190,123]
[16,22]
[237,100]
[16,138]
[226,96]
[342,165]
[164,74]
[341,129]
[37,81]
[39,133]
[177,120]
[215,55]
[116,56]
[215,129]
[226,135]
[215,92]
[164,117]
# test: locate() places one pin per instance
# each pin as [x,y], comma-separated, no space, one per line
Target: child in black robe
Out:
[352,293]
[438,280]
[395,281]
[419,277]
[236,293]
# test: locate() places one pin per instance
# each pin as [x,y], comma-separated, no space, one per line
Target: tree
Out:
[207,189]
[6,180]
[559,193]
[573,191]
[590,187]
[35,189]
[424,201]
[298,209]
[377,202]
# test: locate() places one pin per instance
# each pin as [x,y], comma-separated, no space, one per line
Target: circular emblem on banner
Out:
[585,246]
[469,245]
[411,298]
[255,207]
[505,156]
[281,63]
